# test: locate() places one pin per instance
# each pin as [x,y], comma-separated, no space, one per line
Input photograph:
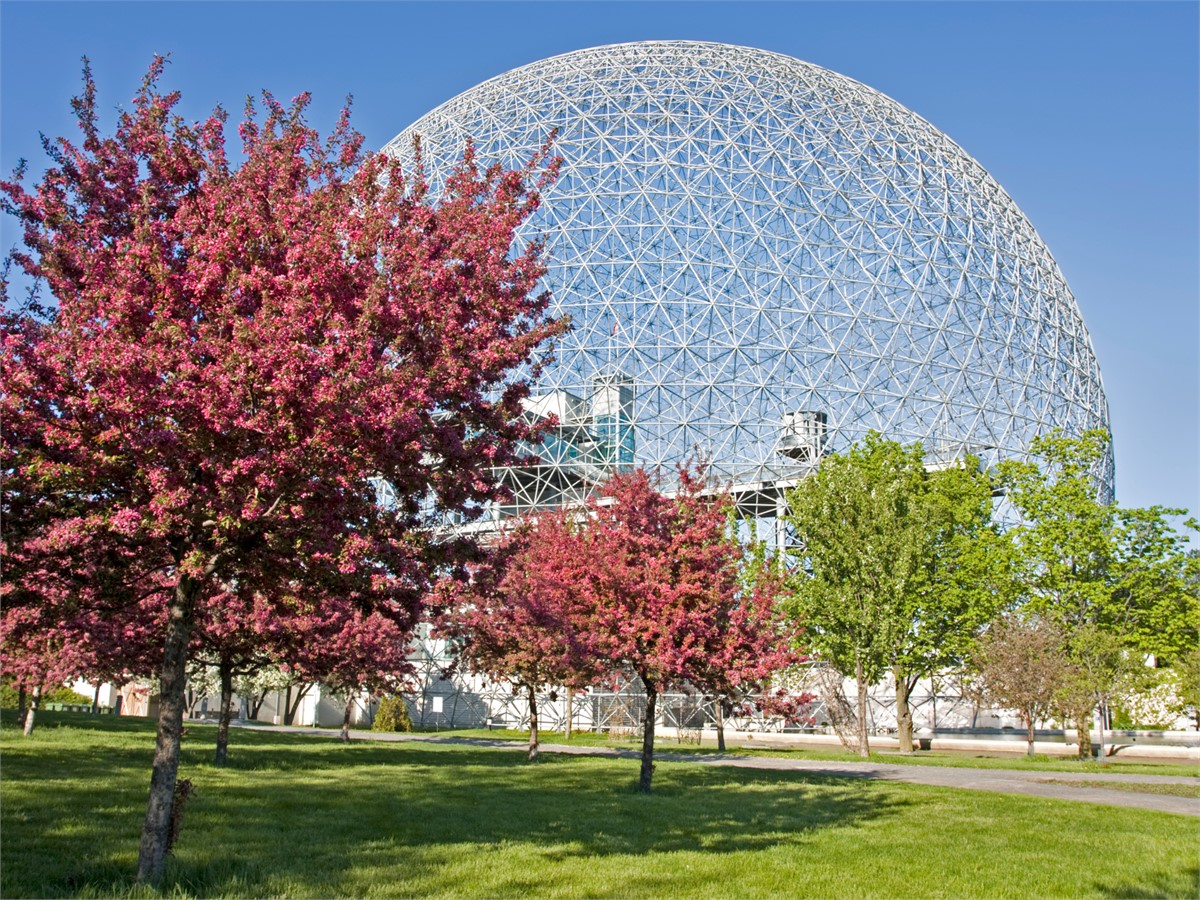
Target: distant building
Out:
[762,261]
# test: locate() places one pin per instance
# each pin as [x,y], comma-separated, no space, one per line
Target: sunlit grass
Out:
[302,816]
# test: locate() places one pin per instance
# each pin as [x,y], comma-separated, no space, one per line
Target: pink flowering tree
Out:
[40,653]
[238,635]
[345,649]
[356,654]
[521,618]
[234,356]
[664,577]
[753,643]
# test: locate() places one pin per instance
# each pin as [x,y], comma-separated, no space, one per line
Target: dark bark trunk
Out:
[904,720]
[570,711]
[190,699]
[1029,734]
[256,703]
[533,725]
[226,671]
[35,700]
[720,724]
[22,704]
[1083,730]
[345,735]
[647,772]
[860,680]
[96,700]
[292,707]
[165,772]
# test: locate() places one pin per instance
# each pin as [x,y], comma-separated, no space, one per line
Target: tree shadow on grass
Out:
[302,815]
[49,721]
[418,826]
[1177,883]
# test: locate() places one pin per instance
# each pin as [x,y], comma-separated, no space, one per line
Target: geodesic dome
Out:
[764,260]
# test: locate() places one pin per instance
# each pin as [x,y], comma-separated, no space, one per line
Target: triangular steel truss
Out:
[744,236]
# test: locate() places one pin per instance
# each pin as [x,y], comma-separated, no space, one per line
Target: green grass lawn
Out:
[300,816]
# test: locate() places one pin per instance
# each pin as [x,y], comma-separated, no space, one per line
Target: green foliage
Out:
[1188,667]
[1126,571]
[902,566]
[1156,582]
[9,698]
[859,518]
[1120,582]
[392,715]
[1098,661]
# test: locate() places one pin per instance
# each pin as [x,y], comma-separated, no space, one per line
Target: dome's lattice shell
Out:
[745,235]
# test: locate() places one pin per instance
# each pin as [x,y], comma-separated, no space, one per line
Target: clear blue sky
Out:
[1088,114]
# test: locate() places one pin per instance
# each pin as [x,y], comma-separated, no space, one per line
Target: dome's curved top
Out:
[745,236]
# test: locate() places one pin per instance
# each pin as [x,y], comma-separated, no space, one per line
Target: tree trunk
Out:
[290,707]
[904,721]
[256,702]
[720,704]
[647,772]
[860,679]
[345,735]
[1083,730]
[156,831]
[22,703]
[190,699]
[570,712]
[96,700]
[533,724]
[226,671]
[35,700]
[1103,723]
[1029,735]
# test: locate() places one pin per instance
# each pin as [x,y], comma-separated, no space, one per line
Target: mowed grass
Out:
[297,816]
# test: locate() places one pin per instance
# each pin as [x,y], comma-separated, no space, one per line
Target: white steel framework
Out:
[763,260]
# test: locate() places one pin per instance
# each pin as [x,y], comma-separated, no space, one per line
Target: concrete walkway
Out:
[1007,781]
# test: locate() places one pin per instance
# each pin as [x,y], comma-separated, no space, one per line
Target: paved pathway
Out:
[1008,781]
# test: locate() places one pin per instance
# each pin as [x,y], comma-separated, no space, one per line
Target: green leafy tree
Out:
[1098,661]
[1188,668]
[901,567]
[966,578]
[1156,583]
[1118,581]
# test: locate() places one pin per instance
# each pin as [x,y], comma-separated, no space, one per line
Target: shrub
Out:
[392,715]
[9,700]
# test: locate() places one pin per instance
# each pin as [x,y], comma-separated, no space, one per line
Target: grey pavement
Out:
[1007,781]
